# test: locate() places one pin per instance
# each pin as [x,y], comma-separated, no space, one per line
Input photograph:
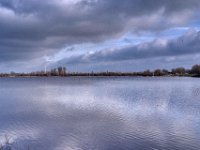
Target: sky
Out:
[99,35]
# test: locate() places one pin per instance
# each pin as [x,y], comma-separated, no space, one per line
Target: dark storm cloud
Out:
[187,44]
[30,28]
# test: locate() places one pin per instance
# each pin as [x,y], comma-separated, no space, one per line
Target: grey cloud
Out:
[187,44]
[32,28]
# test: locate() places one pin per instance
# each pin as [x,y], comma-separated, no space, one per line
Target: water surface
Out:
[115,113]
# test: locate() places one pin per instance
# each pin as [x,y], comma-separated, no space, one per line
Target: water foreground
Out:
[116,113]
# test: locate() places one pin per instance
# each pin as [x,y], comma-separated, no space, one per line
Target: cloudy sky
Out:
[99,35]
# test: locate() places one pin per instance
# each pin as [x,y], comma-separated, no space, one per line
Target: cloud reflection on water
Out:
[102,114]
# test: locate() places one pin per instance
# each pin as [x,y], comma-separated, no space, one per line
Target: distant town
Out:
[62,72]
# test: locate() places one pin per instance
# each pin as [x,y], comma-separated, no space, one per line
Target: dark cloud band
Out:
[187,44]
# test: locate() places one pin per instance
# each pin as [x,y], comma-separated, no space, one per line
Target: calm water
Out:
[101,113]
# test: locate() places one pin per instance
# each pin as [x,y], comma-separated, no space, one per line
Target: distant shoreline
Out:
[62,72]
[96,75]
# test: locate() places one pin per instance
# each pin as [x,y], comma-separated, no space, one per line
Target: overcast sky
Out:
[98,35]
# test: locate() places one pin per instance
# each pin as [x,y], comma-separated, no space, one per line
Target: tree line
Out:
[62,71]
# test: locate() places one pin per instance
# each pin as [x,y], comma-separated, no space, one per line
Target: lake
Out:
[100,113]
